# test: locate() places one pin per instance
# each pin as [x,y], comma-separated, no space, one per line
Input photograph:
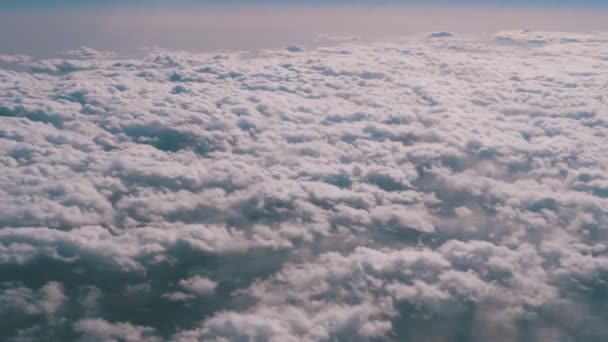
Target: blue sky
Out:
[63,4]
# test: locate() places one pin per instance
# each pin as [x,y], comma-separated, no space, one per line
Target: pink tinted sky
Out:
[125,31]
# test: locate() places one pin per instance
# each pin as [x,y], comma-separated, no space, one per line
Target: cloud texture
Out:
[435,188]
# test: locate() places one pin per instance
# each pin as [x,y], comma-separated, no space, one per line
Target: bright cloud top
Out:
[433,188]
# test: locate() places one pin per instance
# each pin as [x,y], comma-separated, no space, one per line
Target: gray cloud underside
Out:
[438,188]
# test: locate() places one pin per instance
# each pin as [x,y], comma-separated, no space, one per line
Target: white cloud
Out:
[46,300]
[199,285]
[414,189]
[102,330]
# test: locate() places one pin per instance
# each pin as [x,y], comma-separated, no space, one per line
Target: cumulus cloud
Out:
[198,285]
[438,187]
[101,330]
[46,300]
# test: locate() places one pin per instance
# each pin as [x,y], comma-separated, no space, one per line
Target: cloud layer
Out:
[435,188]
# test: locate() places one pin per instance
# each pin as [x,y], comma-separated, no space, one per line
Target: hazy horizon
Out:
[125,31]
[165,4]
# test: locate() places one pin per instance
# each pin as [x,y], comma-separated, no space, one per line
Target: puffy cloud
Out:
[439,187]
[198,285]
[46,300]
[102,330]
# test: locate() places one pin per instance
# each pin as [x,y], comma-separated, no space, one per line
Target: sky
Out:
[305,3]
[125,30]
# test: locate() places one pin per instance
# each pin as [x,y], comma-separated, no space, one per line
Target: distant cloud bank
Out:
[436,188]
